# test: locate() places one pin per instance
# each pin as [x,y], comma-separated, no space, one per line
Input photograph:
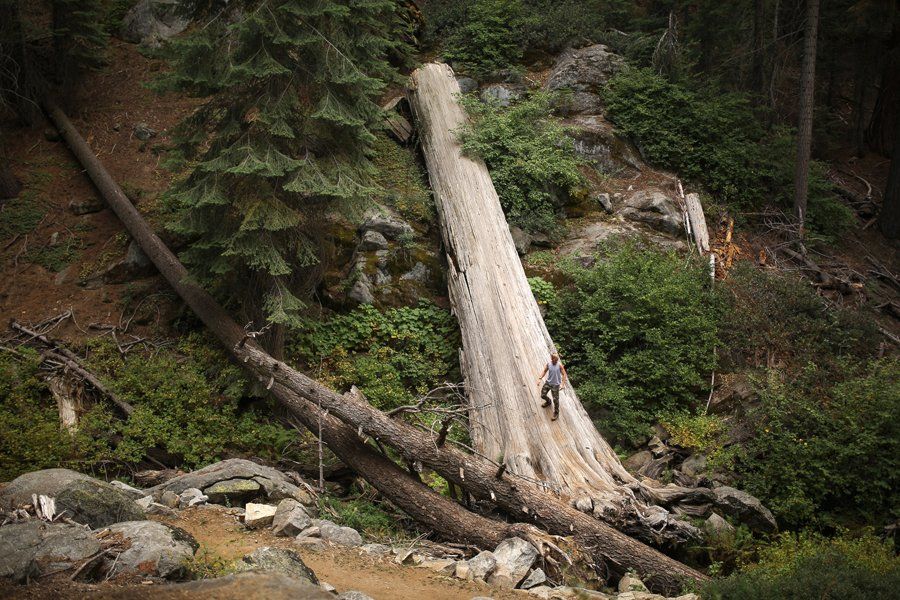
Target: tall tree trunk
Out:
[889,218]
[505,341]
[758,61]
[477,475]
[805,117]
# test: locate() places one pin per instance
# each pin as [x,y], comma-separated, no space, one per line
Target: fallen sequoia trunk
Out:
[307,398]
[506,344]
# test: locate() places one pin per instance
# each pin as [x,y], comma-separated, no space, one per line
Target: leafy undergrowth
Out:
[392,356]
[191,406]
[810,566]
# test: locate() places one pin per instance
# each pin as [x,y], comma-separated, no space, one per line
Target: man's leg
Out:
[555,391]
[544,396]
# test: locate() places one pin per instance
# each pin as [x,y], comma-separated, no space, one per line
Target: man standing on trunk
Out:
[556,378]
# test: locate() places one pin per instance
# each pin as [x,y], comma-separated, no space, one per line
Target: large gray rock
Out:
[153,549]
[363,290]
[134,265]
[290,518]
[481,566]
[233,491]
[746,508]
[249,585]
[655,209]
[501,93]
[274,484]
[534,579]
[521,239]
[584,71]
[514,557]
[33,548]
[373,240]
[466,84]
[277,560]
[386,224]
[83,498]
[596,140]
[419,274]
[637,461]
[150,22]
[332,532]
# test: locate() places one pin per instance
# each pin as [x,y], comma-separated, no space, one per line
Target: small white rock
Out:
[258,515]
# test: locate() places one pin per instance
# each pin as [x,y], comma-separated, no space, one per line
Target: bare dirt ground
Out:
[223,538]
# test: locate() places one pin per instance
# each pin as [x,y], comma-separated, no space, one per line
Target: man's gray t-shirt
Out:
[554,373]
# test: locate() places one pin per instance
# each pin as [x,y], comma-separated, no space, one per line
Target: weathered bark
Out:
[805,118]
[303,396]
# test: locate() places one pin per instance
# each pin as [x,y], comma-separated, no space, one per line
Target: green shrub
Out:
[363,515]
[826,445]
[532,162]
[717,140]
[543,290]
[637,333]
[186,403]
[805,566]
[392,356]
[489,38]
[701,433]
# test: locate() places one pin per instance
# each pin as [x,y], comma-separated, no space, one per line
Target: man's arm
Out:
[565,376]
[541,376]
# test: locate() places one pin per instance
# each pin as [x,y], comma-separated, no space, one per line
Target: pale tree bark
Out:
[805,117]
[346,418]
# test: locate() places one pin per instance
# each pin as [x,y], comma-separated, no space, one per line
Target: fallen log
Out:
[304,397]
[506,343]
[70,361]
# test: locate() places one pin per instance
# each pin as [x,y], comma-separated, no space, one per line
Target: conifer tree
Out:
[285,136]
[79,38]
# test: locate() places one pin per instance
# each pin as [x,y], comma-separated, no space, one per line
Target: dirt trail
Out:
[219,534]
[223,539]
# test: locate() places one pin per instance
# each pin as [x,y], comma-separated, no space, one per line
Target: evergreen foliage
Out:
[79,34]
[637,332]
[531,159]
[286,137]
[718,141]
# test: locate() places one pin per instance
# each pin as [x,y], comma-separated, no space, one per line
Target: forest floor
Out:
[222,538]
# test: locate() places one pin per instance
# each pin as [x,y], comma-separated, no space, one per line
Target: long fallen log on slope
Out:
[304,397]
[506,343]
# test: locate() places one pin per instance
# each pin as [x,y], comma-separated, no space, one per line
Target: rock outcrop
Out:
[84,499]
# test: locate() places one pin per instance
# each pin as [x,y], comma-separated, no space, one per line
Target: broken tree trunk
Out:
[505,341]
[303,397]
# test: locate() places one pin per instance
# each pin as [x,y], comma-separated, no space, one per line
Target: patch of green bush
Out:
[701,433]
[366,516]
[717,140]
[531,159]
[826,445]
[186,402]
[31,437]
[391,356]
[637,333]
[810,566]
[489,39]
